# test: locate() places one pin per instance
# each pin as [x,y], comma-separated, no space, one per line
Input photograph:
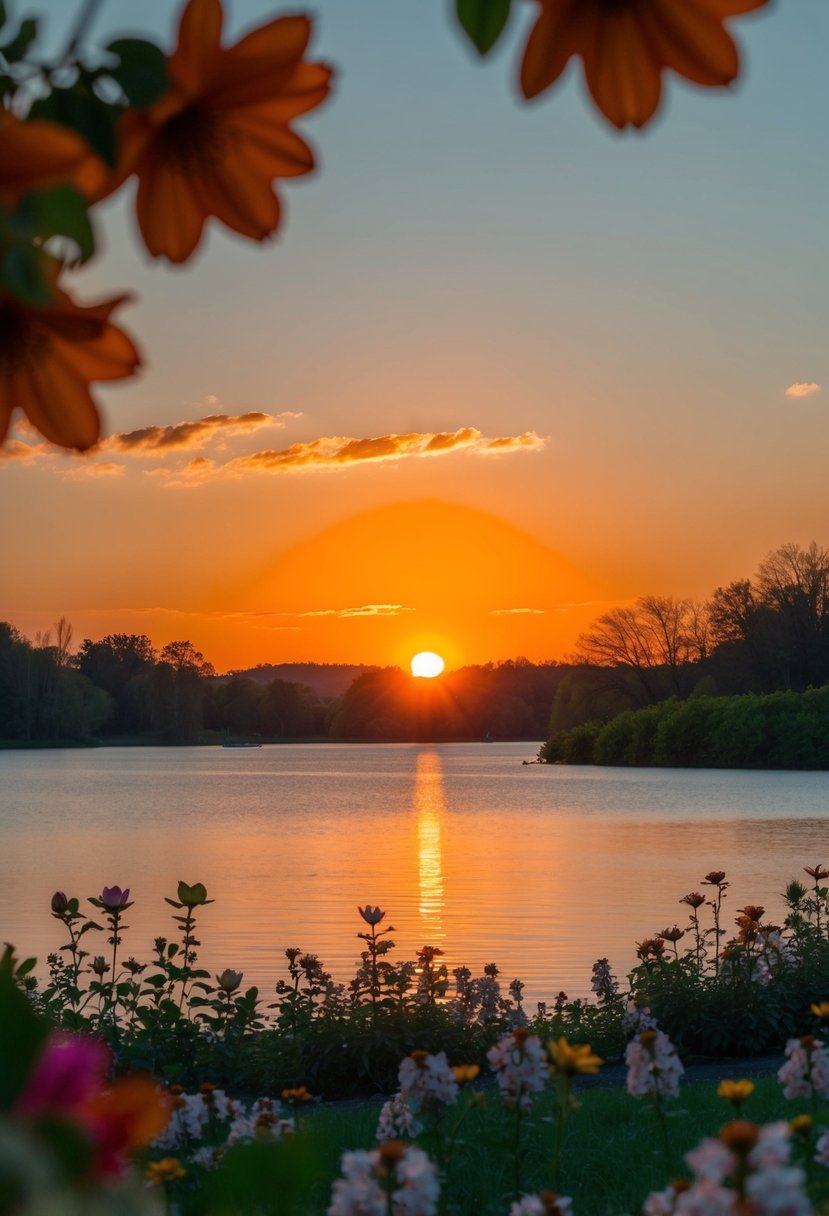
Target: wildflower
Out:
[822,1150]
[424,1078]
[410,1177]
[735,1092]
[464,1073]
[715,878]
[821,1010]
[637,1018]
[573,1059]
[653,1065]
[49,357]
[113,899]
[626,45]
[229,980]
[168,1169]
[672,935]
[817,872]
[806,1070]
[123,1118]
[397,1120]
[745,1168]
[36,155]
[603,983]
[372,916]
[651,947]
[192,897]
[297,1096]
[60,903]
[99,965]
[752,911]
[545,1203]
[214,143]
[521,1066]
[694,899]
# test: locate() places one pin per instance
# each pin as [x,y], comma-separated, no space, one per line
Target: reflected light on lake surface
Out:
[430,805]
[538,869]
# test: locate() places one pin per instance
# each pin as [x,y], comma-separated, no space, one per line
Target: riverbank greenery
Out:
[778,730]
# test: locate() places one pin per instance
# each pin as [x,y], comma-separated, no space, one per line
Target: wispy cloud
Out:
[803,389]
[364,610]
[93,469]
[517,612]
[338,452]
[192,435]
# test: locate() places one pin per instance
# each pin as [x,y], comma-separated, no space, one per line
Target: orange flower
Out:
[126,1117]
[35,155]
[625,46]
[217,139]
[48,358]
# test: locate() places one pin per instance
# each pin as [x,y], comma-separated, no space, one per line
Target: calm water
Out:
[540,869]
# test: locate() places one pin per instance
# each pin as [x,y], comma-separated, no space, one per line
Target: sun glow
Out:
[427,665]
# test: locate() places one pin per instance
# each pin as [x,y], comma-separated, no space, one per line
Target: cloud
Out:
[517,612]
[337,452]
[189,436]
[82,472]
[803,389]
[365,610]
[15,449]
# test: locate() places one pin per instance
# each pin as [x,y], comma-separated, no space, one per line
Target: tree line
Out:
[122,688]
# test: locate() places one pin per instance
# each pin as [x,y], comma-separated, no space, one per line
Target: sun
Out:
[427,665]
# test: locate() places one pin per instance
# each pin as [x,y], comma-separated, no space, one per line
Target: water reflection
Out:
[430,808]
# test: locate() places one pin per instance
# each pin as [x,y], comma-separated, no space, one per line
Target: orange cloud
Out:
[803,389]
[15,449]
[337,452]
[365,610]
[152,440]
[517,612]
[88,469]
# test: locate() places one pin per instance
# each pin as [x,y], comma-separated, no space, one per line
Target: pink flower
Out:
[68,1073]
[114,898]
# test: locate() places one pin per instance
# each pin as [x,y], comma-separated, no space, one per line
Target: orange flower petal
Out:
[306,88]
[137,1106]
[60,406]
[623,78]
[556,36]
[199,45]
[731,8]
[258,66]
[271,149]
[691,41]
[242,201]
[169,217]
[36,154]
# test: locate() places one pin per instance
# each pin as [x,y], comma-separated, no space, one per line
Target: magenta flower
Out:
[112,899]
[69,1072]
[372,916]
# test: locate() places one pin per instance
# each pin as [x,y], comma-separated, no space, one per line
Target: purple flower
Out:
[113,898]
[372,916]
[59,903]
[70,1070]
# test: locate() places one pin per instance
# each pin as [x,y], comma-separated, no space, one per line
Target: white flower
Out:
[773,1147]
[397,1120]
[710,1161]
[415,1188]
[520,1063]
[705,1199]
[822,1147]
[660,1203]
[653,1066]
[535,1205]
[806,1069]
[424,1077]
[779,1192]
[208,1158]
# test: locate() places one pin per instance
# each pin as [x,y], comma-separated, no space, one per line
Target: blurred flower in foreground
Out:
[217,139]
[625,45]
[35,155]
[48,359]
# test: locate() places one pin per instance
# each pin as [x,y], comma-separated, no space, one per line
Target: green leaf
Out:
[21,272]
[94,119]
[483,21]
[22,1035]
[142,70]
[59,212]
[16,48]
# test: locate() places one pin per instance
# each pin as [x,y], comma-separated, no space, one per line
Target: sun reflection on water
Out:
[430,808]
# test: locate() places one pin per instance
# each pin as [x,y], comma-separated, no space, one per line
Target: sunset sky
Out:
[501,370]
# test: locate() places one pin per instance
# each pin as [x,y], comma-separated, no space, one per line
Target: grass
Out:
[612,1158]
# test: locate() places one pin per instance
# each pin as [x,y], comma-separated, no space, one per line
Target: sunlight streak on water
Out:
[430,807]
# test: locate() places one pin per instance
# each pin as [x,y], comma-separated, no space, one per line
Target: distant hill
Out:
[328,680]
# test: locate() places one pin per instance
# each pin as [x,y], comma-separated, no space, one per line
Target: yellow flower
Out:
[573,1058]
[168,1169]
[821,1010]
[735,1091]
[464,1073]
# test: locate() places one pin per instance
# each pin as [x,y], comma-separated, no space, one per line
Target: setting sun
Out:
[427,665]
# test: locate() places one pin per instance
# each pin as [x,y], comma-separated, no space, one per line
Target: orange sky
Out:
[501,370]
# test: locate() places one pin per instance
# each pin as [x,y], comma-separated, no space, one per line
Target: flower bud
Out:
[99,965]
[372,916]
[193,896]
[59,903]
[229,980]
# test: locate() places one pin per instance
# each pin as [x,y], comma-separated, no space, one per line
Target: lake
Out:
[540,869]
